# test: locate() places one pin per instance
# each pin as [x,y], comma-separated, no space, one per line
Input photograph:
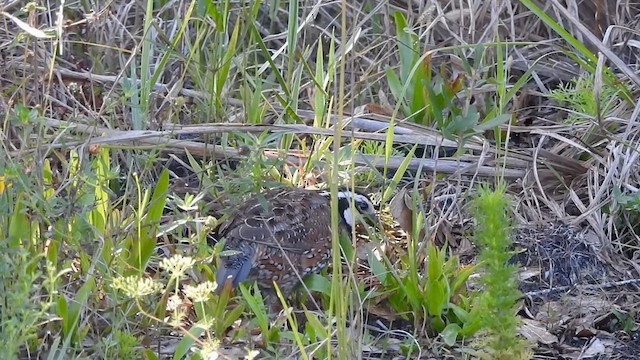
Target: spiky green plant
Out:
[493,313]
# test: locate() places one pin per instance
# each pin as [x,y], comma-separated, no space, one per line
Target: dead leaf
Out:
[401,210]
[595,348]
[382,311]
[28,28]
[536,332]
[585,331]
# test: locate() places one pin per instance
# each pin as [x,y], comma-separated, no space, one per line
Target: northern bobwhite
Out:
[283,235]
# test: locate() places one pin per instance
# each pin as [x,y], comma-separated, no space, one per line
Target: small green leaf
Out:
[150,355]
[492,123]
[460,312]
[450,334]
[316,325]
[231,316]
[399,174]
[47,177]
[377,268]
[463,123]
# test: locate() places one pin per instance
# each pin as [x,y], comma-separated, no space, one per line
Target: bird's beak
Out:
[372,220]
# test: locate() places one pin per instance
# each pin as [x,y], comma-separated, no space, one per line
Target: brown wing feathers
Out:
[282,235]
[271,227]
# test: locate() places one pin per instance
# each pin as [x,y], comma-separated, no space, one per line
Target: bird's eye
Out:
[362,206]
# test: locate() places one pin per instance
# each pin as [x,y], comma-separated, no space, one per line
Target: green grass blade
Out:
[292,40]
[187,342]
[223,73]
[143,248]
[267,54]
[562,32]
[405,42]
[404,165]
[98,216]
[177,39]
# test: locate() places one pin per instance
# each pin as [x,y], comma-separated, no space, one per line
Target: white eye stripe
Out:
[361,202]
[344,194]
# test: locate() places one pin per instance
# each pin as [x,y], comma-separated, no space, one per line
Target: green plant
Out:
[629,202]
[408,88]
[493,313]
[432,293]
[127,346]
[429,97]
[28,282]
[579,97]
[580,54]
[436,299]
[22,305]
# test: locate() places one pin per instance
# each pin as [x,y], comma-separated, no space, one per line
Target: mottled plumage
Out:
[283,235]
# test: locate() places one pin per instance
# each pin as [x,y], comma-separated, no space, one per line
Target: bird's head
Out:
[354,203]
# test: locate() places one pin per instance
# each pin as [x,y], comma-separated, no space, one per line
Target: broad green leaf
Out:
[19,229]
[48,180]
[98,216]
[231,316]
[412,292]
[318,283]
[462,276]
[73,310]
[405,42]
[397,90]
[460,313]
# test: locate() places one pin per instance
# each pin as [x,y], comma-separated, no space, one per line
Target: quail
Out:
[284,234]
